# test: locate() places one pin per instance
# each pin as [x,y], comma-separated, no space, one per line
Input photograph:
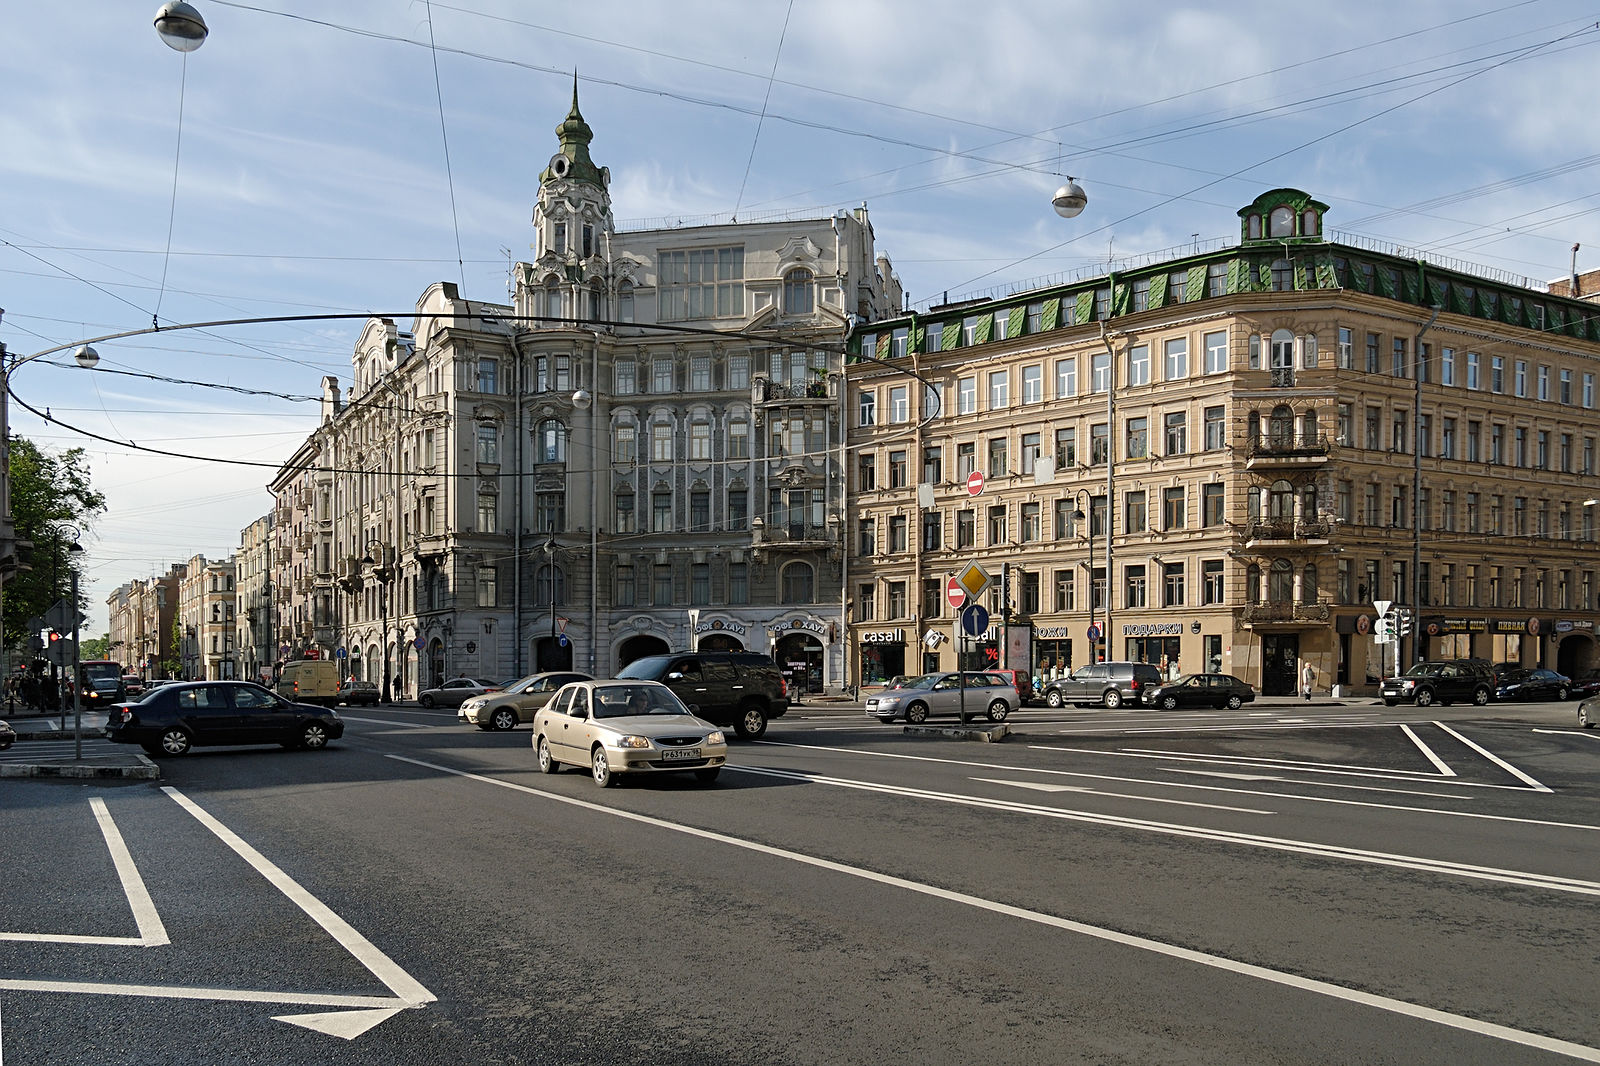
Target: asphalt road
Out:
[1276,885]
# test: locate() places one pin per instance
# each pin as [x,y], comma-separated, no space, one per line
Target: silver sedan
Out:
[625,727]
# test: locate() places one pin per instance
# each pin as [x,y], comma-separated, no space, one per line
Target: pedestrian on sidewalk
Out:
[1308,678]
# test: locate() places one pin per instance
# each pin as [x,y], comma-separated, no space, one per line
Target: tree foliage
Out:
[51,497]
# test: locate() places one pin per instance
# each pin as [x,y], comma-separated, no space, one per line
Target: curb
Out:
[987,734]
[145,770]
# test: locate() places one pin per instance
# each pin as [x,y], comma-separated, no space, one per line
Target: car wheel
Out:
[1235,702]
[1053,698]
[174,742]
[751,723]
[503,719]
[917,713]
[600,768]
[547,761]
[1112,698]
[1562,693]
[1480,697]
[1169,702]
[314,737]
[1584,721]
[997,711]
[707,776]
[1424,697]
[426,700]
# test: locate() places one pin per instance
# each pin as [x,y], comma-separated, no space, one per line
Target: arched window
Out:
[1308,502]
[1309,226]
[799,584]
[1280,500]
[548,580]
[1308,584]
[550,442]
[597,300]
[1280,582]
[1282,222]
[552,300]
[1309,431]
[1252,584]
[1282,350]
[1281,427]
[797,292]
[1252,427]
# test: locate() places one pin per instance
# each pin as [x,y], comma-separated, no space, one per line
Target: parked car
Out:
[987,693]
[1585,686]
[1535,684]
[1109,683]
[133,685]
[517,702]
[1020,680]
[1201,690]
[455,692]
[359,694]
[8,736]
[1449,681]
[176,717]
[625,727]
[1589,712]
[739,688]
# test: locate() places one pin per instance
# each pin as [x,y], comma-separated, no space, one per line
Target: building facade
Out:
[142,617]
[1223,460]
[252,615]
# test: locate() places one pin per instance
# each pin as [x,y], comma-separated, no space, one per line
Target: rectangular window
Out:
[932,465]
[897,599]
[738,510]
[1346,348]
[1138,365]
[1174,508]
[700,283]
[1566,387]
[1177,359]
[1542,383]
[1373,340]
[1099,372]
[1397,359]
[1031,450]
[998,458]
[699,511]
[866,602]
[700,440]
[966,529]
[550,511]
[488,512]
[897,469]
[1497,373]
[1064,524]
[1133,586]
[866,536]
[623,375]
[738,372]
[1175,430]
[1066,448]
[1066,592]
[662,585]
[489,376]
[1519,377]
[1216,427]
[932,531]
[999,390]
[1447,366]
[661,442]
[738,439]
[1217,352]
[625,512]
[700,373]
[1137,441]
[900,404]
[1211,504]
[661,512]
[1172,585]
[899,532]
[1099,444]
[1066,378]
[1447,439]
[998,525]
[1033,384]
[966,459]
[1029,523]
[1588,390]
[699,583]
[488,445]
[866,408]
[1474,381]
[1134,517]
[967,396]
[1211,581]
[866,472]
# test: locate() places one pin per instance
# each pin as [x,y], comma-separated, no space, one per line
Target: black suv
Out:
[738,688]
[1446,682]
[1109,683]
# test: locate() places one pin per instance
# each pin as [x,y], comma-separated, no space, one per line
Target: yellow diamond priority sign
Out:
[974,579]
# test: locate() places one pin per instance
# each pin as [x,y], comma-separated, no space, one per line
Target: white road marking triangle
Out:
[1232,777]
[1037,786]
[348,1024]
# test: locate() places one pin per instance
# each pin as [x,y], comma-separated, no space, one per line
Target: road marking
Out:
[1172,951]
[1041,787]
[1588,734]
[152,934]
[1438,762]
[402,984]
[224,995]
[1507,767]
[1413,776]
[381,721]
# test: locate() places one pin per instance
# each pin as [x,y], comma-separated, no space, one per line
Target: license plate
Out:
[680,753]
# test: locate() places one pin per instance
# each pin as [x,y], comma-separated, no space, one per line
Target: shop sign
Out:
[884,636]
[720,625]
[1529,626]
[1464,625]
[1575,625]
[798,625]
[1053,633]
[1153,629]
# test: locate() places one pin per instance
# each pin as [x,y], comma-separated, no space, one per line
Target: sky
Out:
[320,159]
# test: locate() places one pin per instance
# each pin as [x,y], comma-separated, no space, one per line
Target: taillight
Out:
[783,686]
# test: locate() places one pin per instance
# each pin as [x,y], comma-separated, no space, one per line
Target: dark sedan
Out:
[1585,686]
[8,736]
[172,719]
[1201,690]
[1536,684]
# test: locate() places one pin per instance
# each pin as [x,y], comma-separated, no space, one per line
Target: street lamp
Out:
[1416,488]
[382,573]
[1079,515]
[1070,200]
[181,26]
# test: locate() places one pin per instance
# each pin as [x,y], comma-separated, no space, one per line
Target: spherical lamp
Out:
[181,26]
[1070,200]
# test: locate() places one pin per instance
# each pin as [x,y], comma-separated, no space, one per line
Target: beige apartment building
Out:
[1223,458]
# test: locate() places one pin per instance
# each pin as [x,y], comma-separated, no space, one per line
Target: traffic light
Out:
[55,646]
[1382,630]
[1404,620]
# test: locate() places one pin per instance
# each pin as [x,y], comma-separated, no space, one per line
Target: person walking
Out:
[1308,678]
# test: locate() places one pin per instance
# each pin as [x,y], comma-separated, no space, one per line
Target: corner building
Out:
[1218,461]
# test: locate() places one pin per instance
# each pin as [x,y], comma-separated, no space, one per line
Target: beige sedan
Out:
[625,727]
[516,703]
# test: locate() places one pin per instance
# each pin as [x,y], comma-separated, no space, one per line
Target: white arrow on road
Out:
[1232,777]
[348,1024]
[1037,786]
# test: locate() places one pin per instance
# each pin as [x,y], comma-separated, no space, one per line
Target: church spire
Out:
[572,162]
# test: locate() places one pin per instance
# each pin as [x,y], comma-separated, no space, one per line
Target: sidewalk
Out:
[45,749]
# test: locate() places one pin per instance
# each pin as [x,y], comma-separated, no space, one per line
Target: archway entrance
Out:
[435,663]
[638,647]
[720,642]
[548,654]
[799,656]
[1575,657]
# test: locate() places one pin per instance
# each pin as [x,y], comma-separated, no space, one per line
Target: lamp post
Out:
[1087,517]
[382,573]
[1416,489]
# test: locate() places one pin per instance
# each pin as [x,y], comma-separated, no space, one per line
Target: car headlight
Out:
[471,705]
[1408,684]
[716,737]
[632,741]
[889,701]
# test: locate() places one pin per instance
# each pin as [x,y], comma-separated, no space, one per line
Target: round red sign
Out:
[975,483]
[954,594]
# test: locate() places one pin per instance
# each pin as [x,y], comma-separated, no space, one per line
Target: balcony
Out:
[769,391]
[793,535]
[1287,450]
[1287,532]
[1257,614]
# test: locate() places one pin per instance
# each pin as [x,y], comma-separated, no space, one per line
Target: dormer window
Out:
[1282,222]
[797,292]
[1255,227]
[1310,225]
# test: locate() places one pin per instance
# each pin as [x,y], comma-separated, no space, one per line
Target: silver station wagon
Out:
[991,695]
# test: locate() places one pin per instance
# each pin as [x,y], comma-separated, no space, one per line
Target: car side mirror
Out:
[675,676]
[579,712]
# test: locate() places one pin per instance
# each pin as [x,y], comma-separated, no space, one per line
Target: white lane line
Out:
[1507,767]
[1587,734]
[1411,776]
[152,934]
[402,984]
[380,721]
[1288,763]
[229,995]
[1285,796]
[1462,1022]
[1040,787]
[1438,762]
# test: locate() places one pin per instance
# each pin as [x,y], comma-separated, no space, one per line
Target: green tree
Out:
[95,647]
[50,491]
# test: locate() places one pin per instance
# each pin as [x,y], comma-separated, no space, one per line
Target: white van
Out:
[310,681]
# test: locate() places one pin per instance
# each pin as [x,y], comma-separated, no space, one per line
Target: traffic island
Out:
[129,766]
[989,734]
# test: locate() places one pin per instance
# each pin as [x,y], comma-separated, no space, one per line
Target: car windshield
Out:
[521,685]
[626,701]
[1424,670]
[925,681]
